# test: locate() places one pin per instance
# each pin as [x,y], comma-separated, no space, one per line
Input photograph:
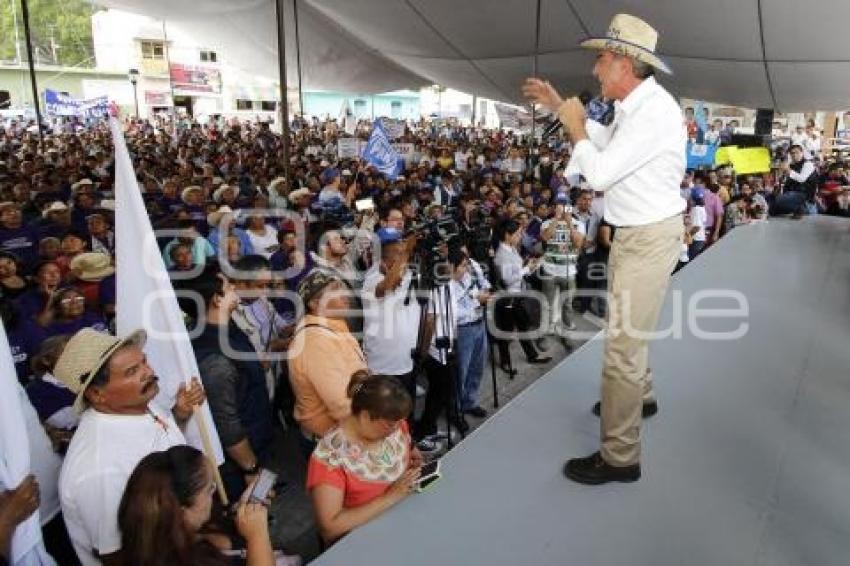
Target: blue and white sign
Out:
[701,155]
[60,104]
[381,154]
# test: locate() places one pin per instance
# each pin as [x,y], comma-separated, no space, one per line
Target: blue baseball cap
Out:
[328,175]
[562,198]
[388,235]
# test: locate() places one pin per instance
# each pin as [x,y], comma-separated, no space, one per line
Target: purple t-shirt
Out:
[713,208]
[23,242]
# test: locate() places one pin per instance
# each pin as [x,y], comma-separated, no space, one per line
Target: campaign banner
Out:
[513,117]
[701,155]
[394,128]
[193,79]
[405,151]
[60,104]
[380,153]
[348,148]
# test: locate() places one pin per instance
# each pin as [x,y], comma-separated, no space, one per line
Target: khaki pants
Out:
[641,261]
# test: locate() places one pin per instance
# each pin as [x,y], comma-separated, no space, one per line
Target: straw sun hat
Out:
[85,354]
[632,37]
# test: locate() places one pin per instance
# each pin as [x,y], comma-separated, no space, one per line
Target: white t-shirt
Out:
[103,453]
[698,218]
[390,327]
[261,243]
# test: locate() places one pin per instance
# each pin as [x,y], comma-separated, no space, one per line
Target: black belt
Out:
[473,323]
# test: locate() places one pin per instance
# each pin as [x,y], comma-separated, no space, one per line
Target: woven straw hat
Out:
[85,354]
[92,266]
[632,37]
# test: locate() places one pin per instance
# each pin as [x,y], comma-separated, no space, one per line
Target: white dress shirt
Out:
[641,164]
[509,263]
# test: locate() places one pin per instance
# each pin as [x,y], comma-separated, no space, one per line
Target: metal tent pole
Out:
[298,58]
[284,104]
[25,12]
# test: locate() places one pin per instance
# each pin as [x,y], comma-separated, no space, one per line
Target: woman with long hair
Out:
[167,501]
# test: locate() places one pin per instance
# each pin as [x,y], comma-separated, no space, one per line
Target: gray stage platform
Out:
[747,463]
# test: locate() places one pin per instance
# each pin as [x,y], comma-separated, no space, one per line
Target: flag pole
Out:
[201,421]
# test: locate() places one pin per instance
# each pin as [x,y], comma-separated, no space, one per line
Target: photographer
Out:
[391,312]
[563,237]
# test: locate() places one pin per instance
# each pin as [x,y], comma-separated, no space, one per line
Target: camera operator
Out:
[391,312]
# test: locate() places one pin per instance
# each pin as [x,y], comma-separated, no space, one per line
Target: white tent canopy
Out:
[778,54]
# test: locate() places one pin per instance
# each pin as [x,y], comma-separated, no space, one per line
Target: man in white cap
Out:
[638,161]
[119,425]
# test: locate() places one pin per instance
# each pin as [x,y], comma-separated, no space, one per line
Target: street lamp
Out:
[133,75]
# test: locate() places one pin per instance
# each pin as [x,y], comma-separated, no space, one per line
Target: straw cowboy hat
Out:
[92,266]
[213,218]
[87,351]
[55,206]
[632,37]
[297,195]
[184,196]
[219,192]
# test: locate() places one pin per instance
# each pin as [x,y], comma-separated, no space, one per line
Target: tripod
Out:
[437,322]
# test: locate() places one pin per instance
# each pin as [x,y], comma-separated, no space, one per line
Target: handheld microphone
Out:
[598,109]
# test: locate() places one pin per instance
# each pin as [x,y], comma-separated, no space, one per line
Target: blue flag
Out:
[380,153]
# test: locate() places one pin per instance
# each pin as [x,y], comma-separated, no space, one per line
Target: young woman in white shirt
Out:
[512,311]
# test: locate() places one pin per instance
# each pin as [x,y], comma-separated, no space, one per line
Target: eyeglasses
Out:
[74,301]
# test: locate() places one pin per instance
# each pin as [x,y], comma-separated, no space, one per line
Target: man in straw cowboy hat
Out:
[638,161]
[119,425]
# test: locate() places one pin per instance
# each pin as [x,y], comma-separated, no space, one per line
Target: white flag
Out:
[27,547]
[145,296]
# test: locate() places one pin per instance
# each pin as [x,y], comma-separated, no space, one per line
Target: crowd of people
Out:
[349,293]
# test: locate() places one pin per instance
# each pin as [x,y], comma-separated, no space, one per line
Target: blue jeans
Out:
[471,351]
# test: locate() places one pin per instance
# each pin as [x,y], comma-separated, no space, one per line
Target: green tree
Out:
[61,32]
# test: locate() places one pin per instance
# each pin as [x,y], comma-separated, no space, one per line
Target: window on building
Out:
[209,56]
[5,99]
[154,50]
[395,109]
[242,104]
[268,105]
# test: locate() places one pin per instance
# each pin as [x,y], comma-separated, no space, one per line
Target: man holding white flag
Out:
[146,299]
[19,492]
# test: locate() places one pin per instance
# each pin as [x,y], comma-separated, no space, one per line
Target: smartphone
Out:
[364,204]
[265,482]
[428,475]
